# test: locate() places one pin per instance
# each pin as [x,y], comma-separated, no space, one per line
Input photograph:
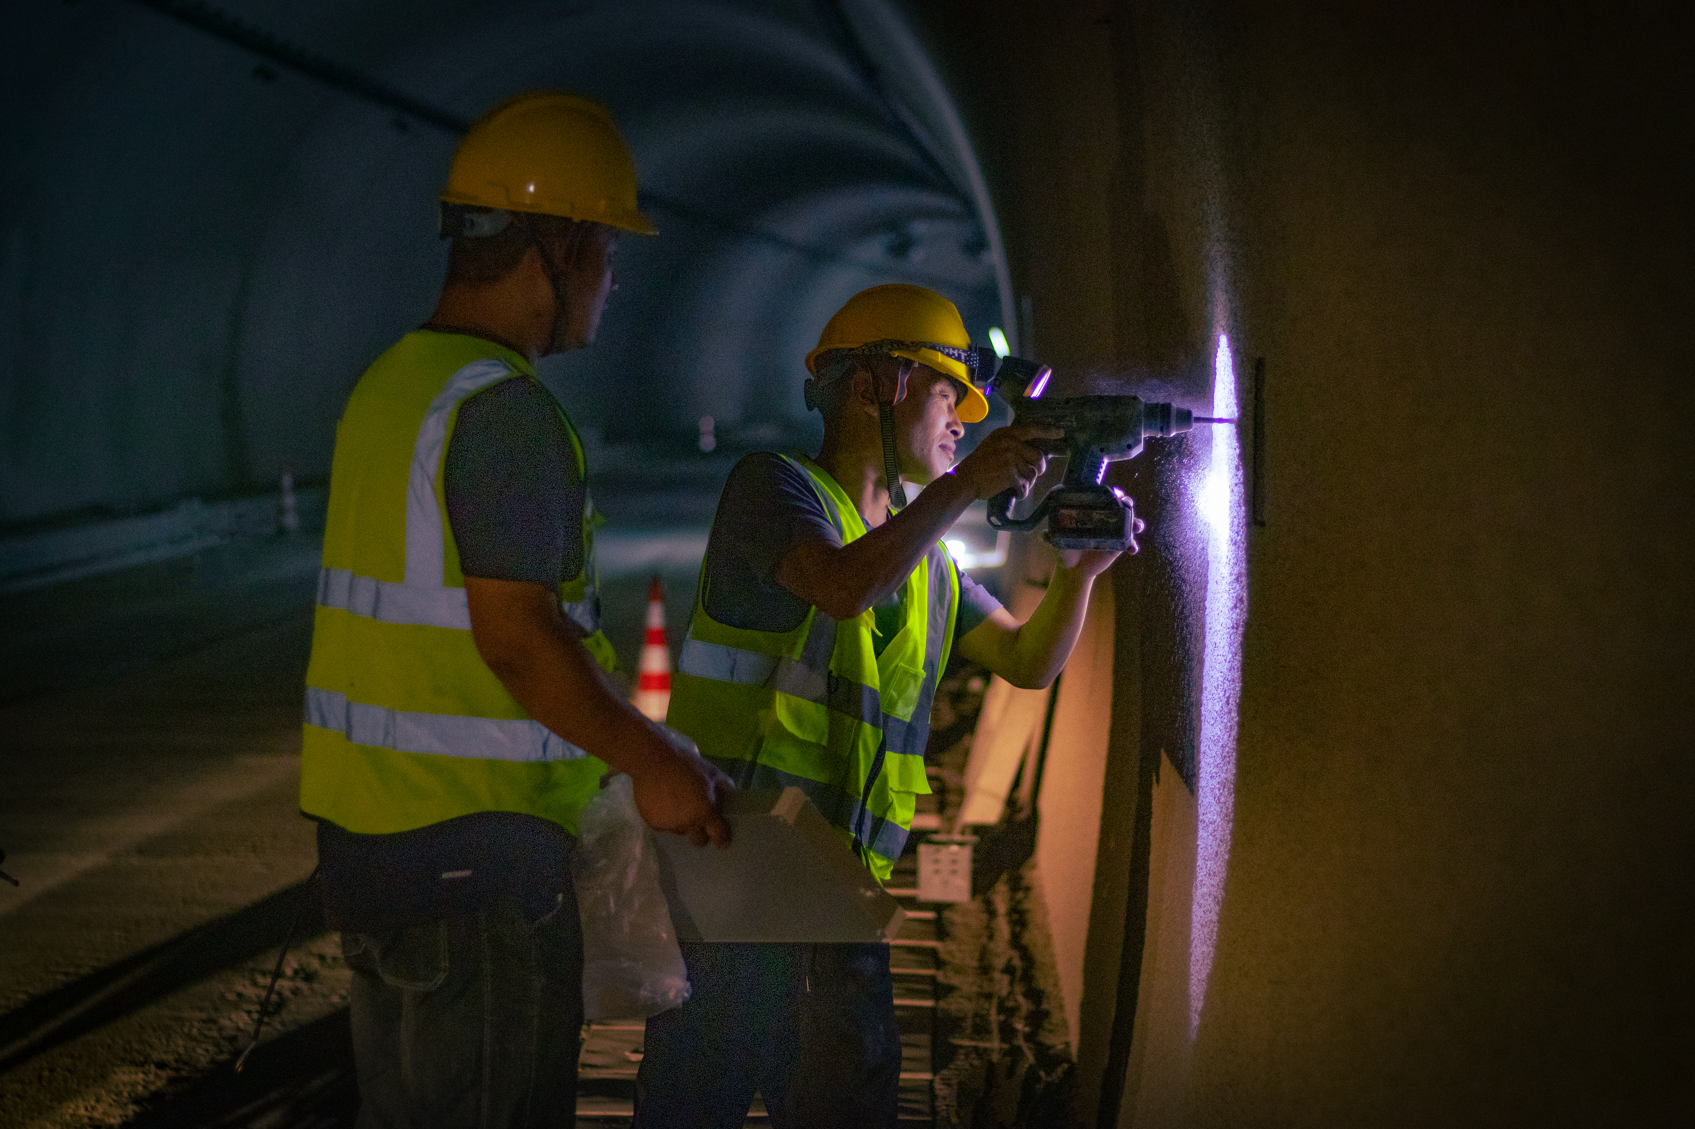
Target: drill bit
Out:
[1212,419]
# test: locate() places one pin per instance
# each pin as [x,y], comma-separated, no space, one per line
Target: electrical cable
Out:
[239,33]
[205,18]
[831,12]
[276,973]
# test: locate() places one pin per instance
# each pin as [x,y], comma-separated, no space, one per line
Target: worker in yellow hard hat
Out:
[826,613]
[458,713]
[910,322]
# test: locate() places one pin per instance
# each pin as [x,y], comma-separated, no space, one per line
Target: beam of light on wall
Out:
[998,340]
[1221,502]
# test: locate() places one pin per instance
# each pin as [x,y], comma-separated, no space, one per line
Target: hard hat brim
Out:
[636,223]
[624,220]
[973,407]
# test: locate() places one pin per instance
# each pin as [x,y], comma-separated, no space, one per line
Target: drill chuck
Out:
[1161,421]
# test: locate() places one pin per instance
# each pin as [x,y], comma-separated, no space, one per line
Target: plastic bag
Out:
[631,964]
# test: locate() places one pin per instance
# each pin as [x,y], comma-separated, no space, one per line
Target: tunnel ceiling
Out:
[206,242]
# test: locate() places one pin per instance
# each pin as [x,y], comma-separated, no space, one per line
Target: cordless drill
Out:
[1082,512]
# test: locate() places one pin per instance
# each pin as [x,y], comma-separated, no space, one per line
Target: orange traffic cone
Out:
[653,672]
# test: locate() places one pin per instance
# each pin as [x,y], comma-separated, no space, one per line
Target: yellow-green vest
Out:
[818,707]
[405,724]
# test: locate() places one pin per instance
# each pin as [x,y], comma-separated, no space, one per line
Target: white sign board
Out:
[944,868]
[787,875]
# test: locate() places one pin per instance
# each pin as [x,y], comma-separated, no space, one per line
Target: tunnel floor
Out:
[148,807]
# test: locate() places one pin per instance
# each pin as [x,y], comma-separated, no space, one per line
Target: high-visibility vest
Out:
[818,707]
[406,726]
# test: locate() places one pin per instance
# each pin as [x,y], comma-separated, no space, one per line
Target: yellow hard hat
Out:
[551,153]
[922,325]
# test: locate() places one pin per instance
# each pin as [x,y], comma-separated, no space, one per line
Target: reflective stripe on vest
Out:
[388,602]
[795,709]
[425,537]
[793,677]
[417,605]
[405,725]
[447,735]
[841,809]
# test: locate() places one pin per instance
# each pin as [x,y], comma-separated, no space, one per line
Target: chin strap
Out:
[555,274]
[886,420]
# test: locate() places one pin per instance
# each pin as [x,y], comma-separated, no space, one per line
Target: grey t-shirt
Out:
[515,500]
[514,496]
[767,506]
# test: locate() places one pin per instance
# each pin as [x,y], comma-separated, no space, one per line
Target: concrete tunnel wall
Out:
[1459,240]
[1460,243]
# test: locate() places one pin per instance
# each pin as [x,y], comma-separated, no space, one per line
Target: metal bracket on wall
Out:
[1257,487]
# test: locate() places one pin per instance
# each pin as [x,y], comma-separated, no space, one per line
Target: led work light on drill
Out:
[1082,512]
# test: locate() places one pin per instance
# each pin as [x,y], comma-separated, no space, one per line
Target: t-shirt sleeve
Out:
[976,603]
[768,506]
[514,495]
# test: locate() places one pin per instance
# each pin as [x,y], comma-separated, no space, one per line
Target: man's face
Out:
[587,280]
[927,426]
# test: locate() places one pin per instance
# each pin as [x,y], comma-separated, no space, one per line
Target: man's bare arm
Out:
[843,580]
[1031,654]
[522,635]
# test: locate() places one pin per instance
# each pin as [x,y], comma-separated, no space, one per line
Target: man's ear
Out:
[862,392]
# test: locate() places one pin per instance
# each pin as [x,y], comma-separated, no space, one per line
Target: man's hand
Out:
[684,794]
[1090,563]
[1006,460]
[1087,562]
[541,661]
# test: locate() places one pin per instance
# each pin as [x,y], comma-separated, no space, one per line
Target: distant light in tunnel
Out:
[1220,499]
[967,557]
[708,440]
[998,340]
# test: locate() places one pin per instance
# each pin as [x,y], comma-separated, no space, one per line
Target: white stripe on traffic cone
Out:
[653,672]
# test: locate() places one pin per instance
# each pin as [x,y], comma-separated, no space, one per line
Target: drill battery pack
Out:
[1092,517]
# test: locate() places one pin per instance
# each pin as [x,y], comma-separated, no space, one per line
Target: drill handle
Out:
[1000,512]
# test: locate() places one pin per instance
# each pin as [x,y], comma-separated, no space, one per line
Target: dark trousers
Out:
[470,1022]
[811,1027]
